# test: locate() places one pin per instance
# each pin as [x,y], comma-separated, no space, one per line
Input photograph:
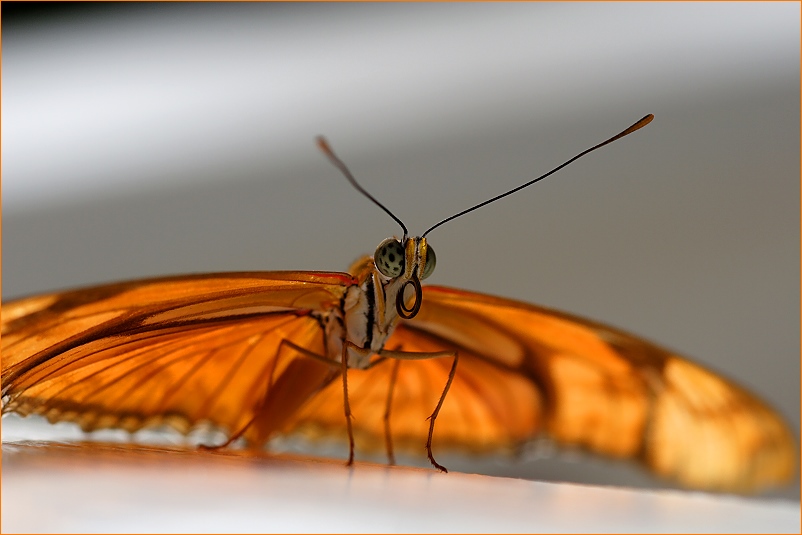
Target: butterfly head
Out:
[406,261]
[414,257]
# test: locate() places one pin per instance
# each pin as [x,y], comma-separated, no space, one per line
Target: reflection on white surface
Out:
[112,485]
[84,487]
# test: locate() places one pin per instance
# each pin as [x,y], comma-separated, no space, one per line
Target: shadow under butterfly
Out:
[258,354]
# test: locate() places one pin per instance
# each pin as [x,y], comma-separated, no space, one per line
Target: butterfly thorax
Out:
[368,312]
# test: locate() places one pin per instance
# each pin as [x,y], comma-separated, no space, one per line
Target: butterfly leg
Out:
[232,438]
[257,413]
[250,422]
[404,355]
[347,347]
[388,438]
[347,406]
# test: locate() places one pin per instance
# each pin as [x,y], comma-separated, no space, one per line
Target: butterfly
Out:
[373,354]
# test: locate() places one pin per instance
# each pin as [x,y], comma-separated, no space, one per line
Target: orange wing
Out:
[526,370]
[177,351]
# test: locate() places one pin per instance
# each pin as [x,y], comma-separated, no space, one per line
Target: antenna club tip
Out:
[637,126]
[324,147]
[640,124]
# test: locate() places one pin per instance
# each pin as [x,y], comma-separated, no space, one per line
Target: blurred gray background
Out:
[150,139]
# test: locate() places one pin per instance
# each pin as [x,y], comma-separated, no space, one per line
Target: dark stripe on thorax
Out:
[371,295]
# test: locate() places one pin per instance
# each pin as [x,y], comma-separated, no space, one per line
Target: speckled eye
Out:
[431,261]
[389,258]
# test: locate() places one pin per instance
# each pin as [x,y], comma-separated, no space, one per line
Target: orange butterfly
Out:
[257,354]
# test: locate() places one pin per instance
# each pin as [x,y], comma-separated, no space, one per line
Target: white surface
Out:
[174,138]
[111,488]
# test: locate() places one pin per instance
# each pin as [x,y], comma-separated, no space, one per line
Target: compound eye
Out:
[431,261]
[389,258]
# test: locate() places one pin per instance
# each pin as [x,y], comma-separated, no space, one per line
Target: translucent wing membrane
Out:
[488,408]
[184,351]
[170,351]
[525,370]
[616,394]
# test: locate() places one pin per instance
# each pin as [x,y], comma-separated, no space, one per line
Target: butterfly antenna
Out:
[323,145]
[637,126]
